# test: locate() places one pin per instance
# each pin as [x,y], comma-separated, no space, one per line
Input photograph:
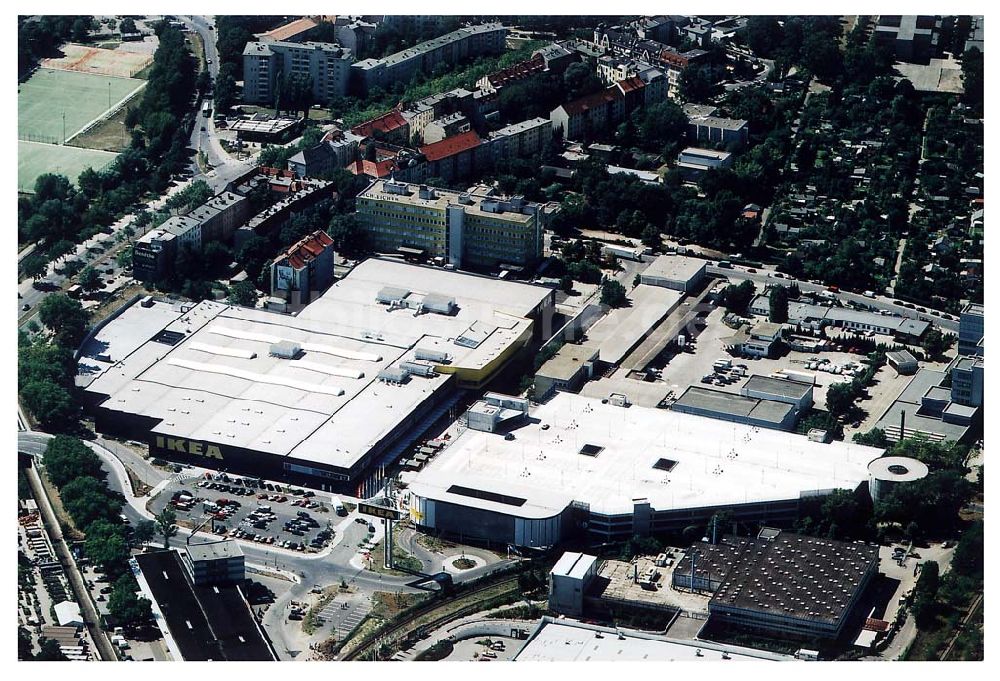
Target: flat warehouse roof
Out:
[566,362]
[675,267]
[778,386]
[570,641]
[718,463]
[623,328]
[209,375]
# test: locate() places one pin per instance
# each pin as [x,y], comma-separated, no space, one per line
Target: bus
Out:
[206,109]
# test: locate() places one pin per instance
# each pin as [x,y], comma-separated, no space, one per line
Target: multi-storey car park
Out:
[585,466]
[317,399]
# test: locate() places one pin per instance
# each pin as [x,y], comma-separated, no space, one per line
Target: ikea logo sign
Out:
[176,444]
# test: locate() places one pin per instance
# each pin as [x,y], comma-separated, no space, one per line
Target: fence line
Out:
[41,139]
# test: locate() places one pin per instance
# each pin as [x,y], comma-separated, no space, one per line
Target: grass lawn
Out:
[34,159]
[81,97]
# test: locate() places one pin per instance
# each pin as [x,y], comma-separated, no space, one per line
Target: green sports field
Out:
[34,159]
[82,97]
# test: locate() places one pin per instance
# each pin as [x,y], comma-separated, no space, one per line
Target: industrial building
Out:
[217,562]
[568,582]
[816,316]
[568,369]
[750,411]
[782,583]
[316,399]
[795,393]
[586,467]
[926,408]
[473,228]
[325,65]
[902,361]
[678,272]
[200,622]
[693,161]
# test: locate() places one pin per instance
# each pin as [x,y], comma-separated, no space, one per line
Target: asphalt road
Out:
[879,302]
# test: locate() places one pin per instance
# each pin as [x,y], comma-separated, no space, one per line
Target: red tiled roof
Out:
[290,30]
[578,106]
[450,146]
[377,169]
[308,249]
[385,123]
[519,70]
[669,57]
[631,84]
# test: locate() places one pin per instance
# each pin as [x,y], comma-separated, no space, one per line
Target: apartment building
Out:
[451,48]
[327,66]
[520,139]
[591,114]
[475,228]
[304,269]
[154,252]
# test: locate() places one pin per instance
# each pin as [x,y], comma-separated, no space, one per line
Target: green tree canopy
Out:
[65,317]
[67,458]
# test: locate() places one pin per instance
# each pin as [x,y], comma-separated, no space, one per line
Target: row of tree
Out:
[78,474]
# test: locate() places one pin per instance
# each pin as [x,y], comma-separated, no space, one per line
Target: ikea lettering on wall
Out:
[176,444]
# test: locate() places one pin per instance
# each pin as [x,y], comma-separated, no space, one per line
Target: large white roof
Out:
[570,641]
[218,383]
[717,463]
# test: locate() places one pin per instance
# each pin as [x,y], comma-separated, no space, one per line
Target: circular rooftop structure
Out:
[897,469]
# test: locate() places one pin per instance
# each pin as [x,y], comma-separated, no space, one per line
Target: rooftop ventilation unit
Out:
[418,369]
[285,349]
[432,355]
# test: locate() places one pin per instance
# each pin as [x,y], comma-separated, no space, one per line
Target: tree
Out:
[580,80]
[67,458]
[106,546]
[243,293]
[349,237]
[935,343]
[737,297]
[24,649]
[697,83]
[144,532]
[972,77]
[81,28]
[90,279]
[873,438]
[128,25]
[34,266]
[764,35]
[165,525]
[566,283]
[778,303]
[613,293]
[88,500]
[124,257]
[48,651]
[126,606]
[840,399]
[651,237]
[65,317]
[51,404]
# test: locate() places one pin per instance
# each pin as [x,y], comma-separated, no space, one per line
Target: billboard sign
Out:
[284,281]
[379,511]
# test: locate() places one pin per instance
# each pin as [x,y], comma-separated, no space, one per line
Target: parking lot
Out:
[690,368]
[252,510]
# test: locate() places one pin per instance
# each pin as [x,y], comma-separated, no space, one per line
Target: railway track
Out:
[405,626]
[976,604]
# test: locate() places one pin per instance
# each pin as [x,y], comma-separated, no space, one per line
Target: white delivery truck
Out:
[338,506]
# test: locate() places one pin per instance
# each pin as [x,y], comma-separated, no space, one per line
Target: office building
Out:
[217,562]
[475,228]
[326,66]
[971,327]
[967,381]
[928,409]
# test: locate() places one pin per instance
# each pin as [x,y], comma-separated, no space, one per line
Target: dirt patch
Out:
[98,61]
[109,135]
